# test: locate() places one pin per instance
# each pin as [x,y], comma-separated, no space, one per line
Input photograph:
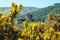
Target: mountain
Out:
[24,10]
[39,14]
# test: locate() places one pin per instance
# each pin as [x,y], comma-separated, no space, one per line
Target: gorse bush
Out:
[49,30]
[8,31]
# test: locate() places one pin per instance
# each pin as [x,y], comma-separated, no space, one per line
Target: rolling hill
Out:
[39,14]
[24,10]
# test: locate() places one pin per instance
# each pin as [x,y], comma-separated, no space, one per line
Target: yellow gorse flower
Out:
[25,24]
[51,29]
[19,38]
[54,37]
[15,8]
[3,17]
[37,38]
[16,29]
[0,14]
[57,33]
[20,6]
[40,24]
[13,4]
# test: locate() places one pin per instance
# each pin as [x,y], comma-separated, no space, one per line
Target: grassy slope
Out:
[41,14]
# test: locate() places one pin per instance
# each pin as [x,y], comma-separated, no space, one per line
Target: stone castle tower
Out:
[29,17]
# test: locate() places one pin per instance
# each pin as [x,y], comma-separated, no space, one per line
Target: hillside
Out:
[24,10]
[42,13]
[39,14]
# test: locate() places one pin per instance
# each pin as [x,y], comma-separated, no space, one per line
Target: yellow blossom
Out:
[51,29]
[19,38]
[13,4]
[16,29]
[40,24]
[37,38]
[0,14]
[25,24]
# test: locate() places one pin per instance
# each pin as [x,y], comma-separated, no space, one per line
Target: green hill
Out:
[41,14]
[24,10]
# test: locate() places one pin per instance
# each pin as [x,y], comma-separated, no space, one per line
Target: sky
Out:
[29,3]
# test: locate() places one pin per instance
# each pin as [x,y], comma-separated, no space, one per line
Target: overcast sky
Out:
[29,3]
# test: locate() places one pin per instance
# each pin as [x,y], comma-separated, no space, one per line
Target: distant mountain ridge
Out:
[5,10]
[39,14]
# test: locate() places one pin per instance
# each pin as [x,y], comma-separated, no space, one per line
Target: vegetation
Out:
[48,30]
[41,14]
[8,31]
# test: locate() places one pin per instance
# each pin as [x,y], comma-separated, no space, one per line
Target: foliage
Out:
[49,30]
[8,31]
